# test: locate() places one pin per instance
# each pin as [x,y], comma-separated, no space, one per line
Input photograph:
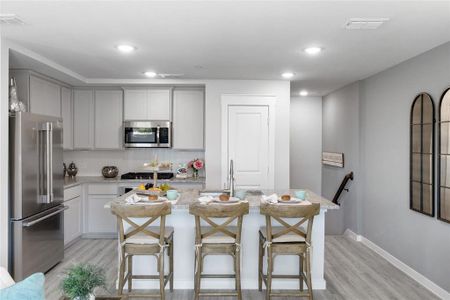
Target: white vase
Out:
[91,297]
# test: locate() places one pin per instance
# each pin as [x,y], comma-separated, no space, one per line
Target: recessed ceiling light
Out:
[125,48]
[150,74]
[313,50]
[287,75]
[303,93]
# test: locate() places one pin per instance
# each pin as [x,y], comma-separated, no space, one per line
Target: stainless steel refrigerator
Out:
[36,193]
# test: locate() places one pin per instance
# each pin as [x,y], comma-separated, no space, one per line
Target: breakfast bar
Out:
[184,250]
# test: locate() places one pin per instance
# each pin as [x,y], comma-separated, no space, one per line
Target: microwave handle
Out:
[157,134]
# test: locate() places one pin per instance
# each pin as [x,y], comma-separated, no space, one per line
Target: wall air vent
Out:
[364,23]
[10,19]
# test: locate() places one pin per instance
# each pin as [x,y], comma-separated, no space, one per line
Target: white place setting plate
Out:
[231,200]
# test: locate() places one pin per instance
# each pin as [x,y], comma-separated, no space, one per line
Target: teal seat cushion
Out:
[31,288]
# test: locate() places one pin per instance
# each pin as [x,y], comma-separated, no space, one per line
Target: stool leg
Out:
[260,264]
[198,267]
[308,274]
[161,274]
[269,274]
[121,272]
[171,265]
[130,272]
[300,271]
[237,263]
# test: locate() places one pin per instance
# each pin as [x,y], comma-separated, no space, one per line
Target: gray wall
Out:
[306,143]
[419,241]
[341,134]
[377,206]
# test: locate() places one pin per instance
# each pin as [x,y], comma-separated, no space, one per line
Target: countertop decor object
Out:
[72,170]
[196,165]
[110,171]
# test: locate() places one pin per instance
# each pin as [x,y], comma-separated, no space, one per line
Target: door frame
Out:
[248,100]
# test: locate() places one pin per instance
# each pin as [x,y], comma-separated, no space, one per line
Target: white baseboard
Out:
[427,283]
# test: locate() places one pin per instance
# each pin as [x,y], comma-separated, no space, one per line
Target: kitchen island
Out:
[184,237]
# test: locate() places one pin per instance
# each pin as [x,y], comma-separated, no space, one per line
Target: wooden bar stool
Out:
[218,239]
[286,240]
[144,240]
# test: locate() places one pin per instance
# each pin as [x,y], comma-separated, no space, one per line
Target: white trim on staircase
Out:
[427,283]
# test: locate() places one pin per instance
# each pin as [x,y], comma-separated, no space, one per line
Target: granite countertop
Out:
[77,180]
[188,196]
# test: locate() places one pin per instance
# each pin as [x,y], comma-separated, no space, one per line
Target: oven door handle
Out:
[31,223]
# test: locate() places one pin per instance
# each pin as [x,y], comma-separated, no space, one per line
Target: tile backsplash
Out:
[90,163]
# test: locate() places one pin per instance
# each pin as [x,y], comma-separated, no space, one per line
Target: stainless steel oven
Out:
[147,134]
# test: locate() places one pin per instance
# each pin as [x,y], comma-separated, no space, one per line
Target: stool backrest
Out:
[151,212]
[229,212]
[279,212]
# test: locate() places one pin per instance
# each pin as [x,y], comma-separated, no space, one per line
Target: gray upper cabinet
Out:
[188,119]
[83,119]
[108,119]
[135,104]
[147,104]
[40,94]
[66,114]
[159,104]
[45,97]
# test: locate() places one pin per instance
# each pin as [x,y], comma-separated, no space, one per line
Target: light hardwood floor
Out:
[352,271]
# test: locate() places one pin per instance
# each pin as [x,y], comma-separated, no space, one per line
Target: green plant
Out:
[81,279]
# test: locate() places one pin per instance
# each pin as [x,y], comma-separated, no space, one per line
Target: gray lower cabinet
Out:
[73,216]
[100,221]
[83,119]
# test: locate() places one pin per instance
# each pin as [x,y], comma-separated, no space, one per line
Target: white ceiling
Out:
[228,39]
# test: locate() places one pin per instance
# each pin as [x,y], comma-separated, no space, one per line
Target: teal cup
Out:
[241,194]
[172,194]
[300,194]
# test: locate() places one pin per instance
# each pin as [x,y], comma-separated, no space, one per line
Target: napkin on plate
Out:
[270,199]
[205,199]
[134,199]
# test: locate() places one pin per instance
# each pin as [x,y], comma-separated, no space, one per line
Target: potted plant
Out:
[196,165]
[81,280]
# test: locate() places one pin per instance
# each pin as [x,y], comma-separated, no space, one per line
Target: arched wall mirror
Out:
[444,158]
[421,155]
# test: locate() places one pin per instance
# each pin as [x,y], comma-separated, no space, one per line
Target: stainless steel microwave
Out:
[147,134]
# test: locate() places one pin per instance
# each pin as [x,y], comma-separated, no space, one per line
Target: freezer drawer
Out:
[38,242]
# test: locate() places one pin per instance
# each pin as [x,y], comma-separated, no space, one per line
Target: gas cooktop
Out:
[146,175]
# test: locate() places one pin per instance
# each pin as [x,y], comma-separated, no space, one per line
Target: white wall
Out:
[306,143]
[213,132]
[90,163]
[420,241]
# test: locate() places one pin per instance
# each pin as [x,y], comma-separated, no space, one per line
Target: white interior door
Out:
[248,145]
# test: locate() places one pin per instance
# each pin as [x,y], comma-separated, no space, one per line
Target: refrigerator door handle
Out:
[50,161]
[31,223]
[47,128]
